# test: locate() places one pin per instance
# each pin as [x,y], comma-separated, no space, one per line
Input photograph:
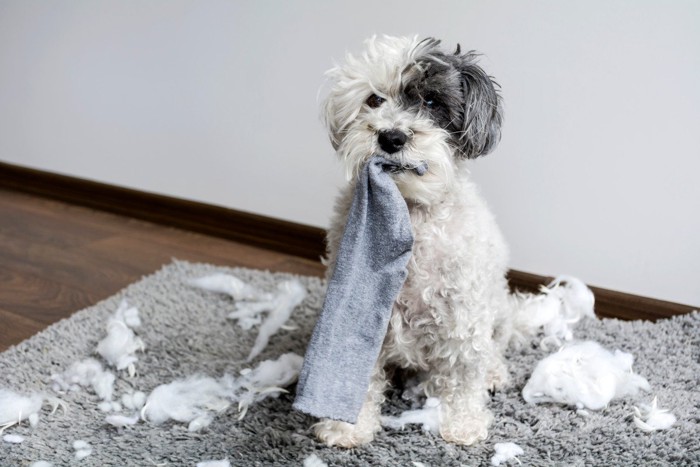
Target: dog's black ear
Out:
[483,114]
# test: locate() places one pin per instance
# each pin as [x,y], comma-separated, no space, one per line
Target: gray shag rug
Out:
[186,332]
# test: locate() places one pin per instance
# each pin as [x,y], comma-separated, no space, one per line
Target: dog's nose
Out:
[391,141]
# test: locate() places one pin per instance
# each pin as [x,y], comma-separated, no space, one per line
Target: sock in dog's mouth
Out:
[395,167]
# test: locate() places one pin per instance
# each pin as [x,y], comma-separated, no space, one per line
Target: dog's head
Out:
[408,100]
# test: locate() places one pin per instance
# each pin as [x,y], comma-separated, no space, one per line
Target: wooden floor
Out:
[57,258]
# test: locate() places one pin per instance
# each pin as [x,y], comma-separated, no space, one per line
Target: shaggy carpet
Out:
[186,332]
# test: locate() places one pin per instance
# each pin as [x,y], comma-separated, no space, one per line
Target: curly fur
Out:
[451,318]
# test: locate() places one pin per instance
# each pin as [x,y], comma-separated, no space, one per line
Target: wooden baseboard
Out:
[274,234]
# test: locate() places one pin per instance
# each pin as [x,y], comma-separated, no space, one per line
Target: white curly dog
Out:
[406,99]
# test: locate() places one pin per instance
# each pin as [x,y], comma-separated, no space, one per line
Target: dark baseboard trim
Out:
[277,235]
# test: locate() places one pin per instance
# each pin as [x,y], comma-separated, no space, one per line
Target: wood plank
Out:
[16,328]
[36,298]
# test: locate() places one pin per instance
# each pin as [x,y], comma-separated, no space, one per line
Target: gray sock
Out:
[369,272]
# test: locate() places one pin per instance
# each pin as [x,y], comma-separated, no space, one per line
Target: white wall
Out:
[216,101]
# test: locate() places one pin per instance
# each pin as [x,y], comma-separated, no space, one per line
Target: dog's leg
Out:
[464,418]
[348,435]
[462,385]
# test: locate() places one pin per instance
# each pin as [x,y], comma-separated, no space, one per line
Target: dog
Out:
[409,101]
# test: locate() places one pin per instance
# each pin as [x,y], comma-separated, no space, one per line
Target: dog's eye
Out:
[430,101]
[374,101]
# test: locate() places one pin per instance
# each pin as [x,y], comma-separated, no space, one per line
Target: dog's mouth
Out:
[396,167]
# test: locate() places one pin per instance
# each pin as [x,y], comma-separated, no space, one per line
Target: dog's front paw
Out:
[345,435]
[466,430]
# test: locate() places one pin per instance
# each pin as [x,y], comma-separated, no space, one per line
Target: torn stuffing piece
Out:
[197,400]
[15,408]
[229,285]
[194,400]
[82,449]
[651,418]
[584,375]
[121,421]
[562,304]
[506,452]
[86,373]
[314,461]
[266,380]
[41,464]
[428,416]
[280,307]
[134,400]
[118,348]
[251,303]
[13,439]
[221,463]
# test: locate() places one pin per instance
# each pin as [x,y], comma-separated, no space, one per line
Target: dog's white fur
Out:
[451,319]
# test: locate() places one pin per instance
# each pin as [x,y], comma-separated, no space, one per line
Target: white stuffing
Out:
[118,348]
[86,373]
[41,464]
[221,463]
[14,408]
[280,307]
[506,452]
[229,285]
[651,418]
[82,449]
[109,406]
[13,439]
[134,400]
[196,400]
[188,400]
[122,420]
[584,375]
[562,304]
[428,417]
[314,461]
[266,380]
[251,303]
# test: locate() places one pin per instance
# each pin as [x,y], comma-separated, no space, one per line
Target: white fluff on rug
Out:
[133,400]
[562,304]
[121,421]
[82,449]
[13,439]
[251,303]
[584,375]
[120,345]
[314,461]
[289,295]
[505,452]
[197,399]
[229,285]
[428,417]
[651,418]
[15,408]
[268,379]
[86,373]
[221,463]
[194,400]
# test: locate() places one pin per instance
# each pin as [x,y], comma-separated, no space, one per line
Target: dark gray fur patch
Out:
[458,95]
